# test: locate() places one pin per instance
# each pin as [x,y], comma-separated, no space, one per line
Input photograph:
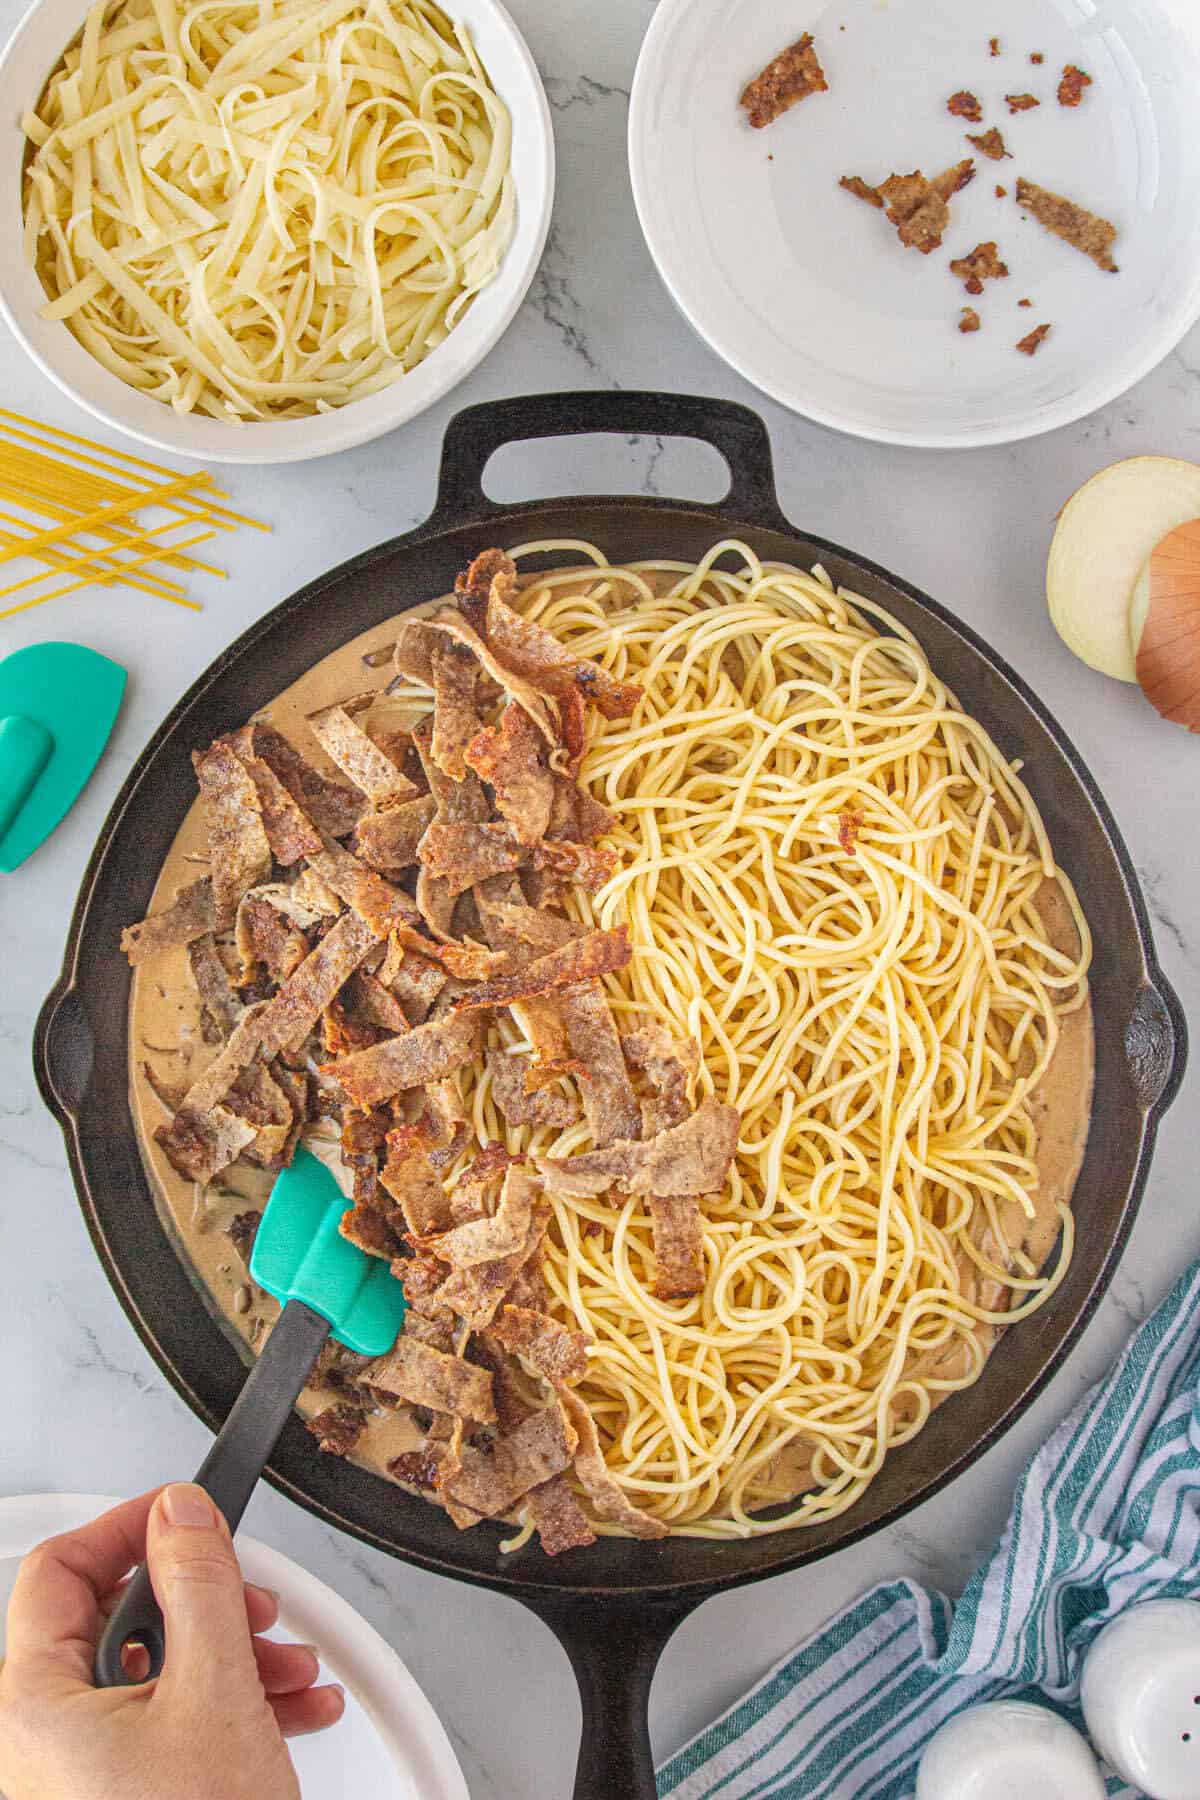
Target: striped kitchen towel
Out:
[1106,1514]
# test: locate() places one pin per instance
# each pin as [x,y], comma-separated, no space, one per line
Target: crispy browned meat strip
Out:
[920,209]
[491,1481]
[264,935]
[331,805]
[291,833]
[212,983]
[359,757]
[423,1054]
[388,840]
[691,1158]
[1082,230]
[424,1376]
[519,1106]
[560,1520]
[791,76]
[678,1230]
[239,853]
[508,757]
[609,1500]
[1019,103]
[490,1238]
[190,914]
[609,1101]
[555,1352]
[583,959]
[290,1016]
[526,648]
[1070,88]
[1032,342]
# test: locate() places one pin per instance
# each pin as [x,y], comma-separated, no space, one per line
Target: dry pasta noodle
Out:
[836,882]
[266,208]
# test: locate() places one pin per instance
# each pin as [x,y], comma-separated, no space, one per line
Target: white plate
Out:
[807,291]
[389,1744]
[32,54]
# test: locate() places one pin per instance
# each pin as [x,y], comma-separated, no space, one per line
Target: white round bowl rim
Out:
[26,62]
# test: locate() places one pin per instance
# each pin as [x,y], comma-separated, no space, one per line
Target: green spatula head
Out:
[58,704]
[299,1254]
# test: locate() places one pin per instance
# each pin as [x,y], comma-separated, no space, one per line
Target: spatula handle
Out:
[229,1474]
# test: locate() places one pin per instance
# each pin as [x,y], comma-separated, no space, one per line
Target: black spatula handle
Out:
[229,1474]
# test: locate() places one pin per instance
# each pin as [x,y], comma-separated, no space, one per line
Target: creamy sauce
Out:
[165,1030]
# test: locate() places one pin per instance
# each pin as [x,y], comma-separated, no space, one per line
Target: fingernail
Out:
[312,1650]
[188,1505]
[271,1594]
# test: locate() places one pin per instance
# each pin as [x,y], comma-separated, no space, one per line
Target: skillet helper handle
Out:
[229,1473]
[736,433]
[614,1645]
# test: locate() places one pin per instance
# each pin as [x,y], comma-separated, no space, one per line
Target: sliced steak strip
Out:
[426,1052]
[609,1101]
[332,807]
[560,1520]
[415,1372]
[359,757]
[414,657]
[259,1099]
[582,959]
[528,650]
[295,1009]
[557,1354]
[475,1294]
[368,1230]
[692,1158]
[263,935]
[487,1240]
[609,1500]
[191,913]
[170,1094]
[238,850]
[678,1228]
[416,980]
[388,840]
[669,1065]
[212,983]
[526,925]
[338,1429]
[462,802]
[518,1105]
[290,832]
[413,1182]
[492,1481]
[460,853]
[507,756]
[455,675]
[575,815]
[376,1003]
[199,1145]
[385,908]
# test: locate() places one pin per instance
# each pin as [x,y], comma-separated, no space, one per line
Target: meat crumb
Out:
[964,105]
[1032,343]
[979,265]
[1024,302]
[1018,103]
[791,76]
[1082,230]
[854,184]
[993,46]
[1000,191]
[1035,56]
[1070,88]
[990,144]
[849,826]
[969,319]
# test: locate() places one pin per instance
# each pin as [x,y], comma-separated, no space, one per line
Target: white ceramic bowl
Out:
[807,292]
[30,58]
[390,1741]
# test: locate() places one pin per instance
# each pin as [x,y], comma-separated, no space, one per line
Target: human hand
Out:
[211,1727]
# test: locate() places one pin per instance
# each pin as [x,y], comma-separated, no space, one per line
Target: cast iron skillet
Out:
[613,1606]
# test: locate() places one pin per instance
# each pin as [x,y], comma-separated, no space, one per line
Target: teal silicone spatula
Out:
[58,705]
[325,1284]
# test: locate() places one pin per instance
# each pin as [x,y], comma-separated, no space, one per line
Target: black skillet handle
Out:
[63,1048]
[1156,1043]
[229,1473]
[735,432]
[614,1645]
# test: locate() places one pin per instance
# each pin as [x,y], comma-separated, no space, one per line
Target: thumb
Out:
[198,1585]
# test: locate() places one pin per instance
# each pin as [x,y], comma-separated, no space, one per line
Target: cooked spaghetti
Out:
[840,887]
[266,208]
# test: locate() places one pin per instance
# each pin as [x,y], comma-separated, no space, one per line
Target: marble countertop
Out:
[86,1408]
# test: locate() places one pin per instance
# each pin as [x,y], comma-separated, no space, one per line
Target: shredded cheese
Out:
[266,208]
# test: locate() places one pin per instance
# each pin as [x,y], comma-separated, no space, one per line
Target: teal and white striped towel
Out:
[1106,1514]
